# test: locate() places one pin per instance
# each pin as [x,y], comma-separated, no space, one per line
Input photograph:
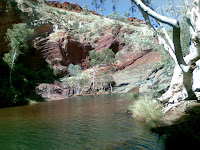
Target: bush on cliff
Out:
[77,79]
[104,58]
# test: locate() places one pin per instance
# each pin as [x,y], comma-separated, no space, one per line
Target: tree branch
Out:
[164,19]
[167,48]
[186,4]
[167,36]
[178,51]
[176,32]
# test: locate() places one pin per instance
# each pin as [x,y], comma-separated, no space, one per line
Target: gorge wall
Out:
[64,35]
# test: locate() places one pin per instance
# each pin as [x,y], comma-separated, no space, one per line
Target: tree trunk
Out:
[111,89]
[182,80]
[93,83]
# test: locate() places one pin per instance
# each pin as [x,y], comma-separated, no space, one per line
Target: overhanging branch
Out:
[176,33]
[163,19]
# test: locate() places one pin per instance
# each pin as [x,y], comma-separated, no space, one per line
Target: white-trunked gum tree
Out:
[186,75]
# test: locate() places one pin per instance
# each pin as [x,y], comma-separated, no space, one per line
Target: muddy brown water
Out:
[82,123]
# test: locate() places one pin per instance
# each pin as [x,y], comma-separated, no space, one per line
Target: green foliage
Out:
[84,29]
[85,6]
[91,34]
[83,80]
[69,7]
[115,15]
[18,37]
[99,31]
[95,58]
[74,70]
[79,82]
[8,6]
[86,11]
[104,79]
[127,14]
[101,10]
[76,25]
[106,57]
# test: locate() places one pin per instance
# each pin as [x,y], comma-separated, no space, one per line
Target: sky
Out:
[122,6]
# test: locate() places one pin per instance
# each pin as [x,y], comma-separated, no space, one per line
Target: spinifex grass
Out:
[147,110]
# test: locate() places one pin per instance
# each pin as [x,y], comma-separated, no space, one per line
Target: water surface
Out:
[82,123]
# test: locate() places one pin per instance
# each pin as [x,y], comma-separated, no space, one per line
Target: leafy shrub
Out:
[76,25]
[69,7]
[99,31]
[106,57]
[127,14]
[115,15]
[74,70]
[91,34]
[83,29]
[86,11]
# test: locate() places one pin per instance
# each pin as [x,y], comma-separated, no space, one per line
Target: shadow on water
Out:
[184,133]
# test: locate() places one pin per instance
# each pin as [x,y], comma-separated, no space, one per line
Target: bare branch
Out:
[167,36]
[176,33]
[163,19]
[186,4]
[167,48]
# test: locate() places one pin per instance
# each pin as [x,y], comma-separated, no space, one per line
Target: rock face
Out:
[66,50]
[136,74]
[65,5]
[62,38]
[9,15]
[135,21]
[68,6]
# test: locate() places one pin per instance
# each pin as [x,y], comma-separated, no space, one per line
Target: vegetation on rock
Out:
[104,58]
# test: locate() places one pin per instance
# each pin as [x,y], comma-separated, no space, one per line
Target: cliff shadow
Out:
[28,71]
[184,133]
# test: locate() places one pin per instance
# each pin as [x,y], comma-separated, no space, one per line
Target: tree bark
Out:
[183,72]
[93,83]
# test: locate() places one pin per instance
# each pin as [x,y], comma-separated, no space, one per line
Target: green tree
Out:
[105,79]
[106,57]
[18,37]
[77,80]
[74,70]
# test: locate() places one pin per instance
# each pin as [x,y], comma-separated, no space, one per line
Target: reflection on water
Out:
[82,123]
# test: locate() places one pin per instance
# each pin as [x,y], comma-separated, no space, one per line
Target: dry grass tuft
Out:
[147,110]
